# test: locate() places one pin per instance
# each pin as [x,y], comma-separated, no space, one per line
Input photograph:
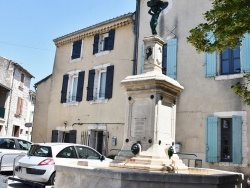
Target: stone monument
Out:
[150,115]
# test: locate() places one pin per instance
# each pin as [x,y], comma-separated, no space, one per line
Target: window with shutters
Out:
[72,87]
[19,108]
[103,43]
[229,64]
[224,137]
[76,50]
[100,83]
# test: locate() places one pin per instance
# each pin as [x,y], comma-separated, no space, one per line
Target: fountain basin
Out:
[77,176]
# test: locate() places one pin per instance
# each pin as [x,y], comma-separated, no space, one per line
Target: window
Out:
[104,42]
[224,139]
[87,153]
[72,87]
[76,49]
[231,61]
[19,107]
[100,83]
[6,143]
[24,145]
[68,152]
[40,151]
[22,80]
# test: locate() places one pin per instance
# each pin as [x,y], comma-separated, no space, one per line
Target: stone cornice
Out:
[88,32]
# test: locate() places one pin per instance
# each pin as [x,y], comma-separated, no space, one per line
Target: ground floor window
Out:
[224,139]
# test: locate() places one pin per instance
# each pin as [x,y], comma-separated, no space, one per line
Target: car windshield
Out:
[40,151]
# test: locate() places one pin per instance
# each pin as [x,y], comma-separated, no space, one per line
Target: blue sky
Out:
[28,27]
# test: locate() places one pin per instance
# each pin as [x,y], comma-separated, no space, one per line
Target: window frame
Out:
[72,50]
[224,134]
[71,84]
[100,86]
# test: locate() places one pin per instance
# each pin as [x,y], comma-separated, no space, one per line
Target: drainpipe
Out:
[136,33]
[11,89]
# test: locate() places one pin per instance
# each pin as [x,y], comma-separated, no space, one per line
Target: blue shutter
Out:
[95,45]
[142,58]
[90,88]
[109,43]
[245,53]
[237,139]
[212,139]
[64,88]
[211,59]
[171,58]
[164,59]
[76,51]
[80,86]
[109,82]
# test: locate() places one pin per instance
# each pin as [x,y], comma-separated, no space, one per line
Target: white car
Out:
[12,149]
[39,163]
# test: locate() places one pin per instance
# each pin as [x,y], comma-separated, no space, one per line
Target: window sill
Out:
[98,101]
[229,77]
[102,53]
[71,104]
[75,60]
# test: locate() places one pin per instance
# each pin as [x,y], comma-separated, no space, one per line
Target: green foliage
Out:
[228,20]
[242,90]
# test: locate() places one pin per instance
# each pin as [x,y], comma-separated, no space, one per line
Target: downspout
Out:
[11,89]
[136,33]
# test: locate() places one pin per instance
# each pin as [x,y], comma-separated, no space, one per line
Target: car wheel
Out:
[52,179]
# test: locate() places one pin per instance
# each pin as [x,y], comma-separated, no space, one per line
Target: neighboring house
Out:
[16,105]
[82,101]
[211,120]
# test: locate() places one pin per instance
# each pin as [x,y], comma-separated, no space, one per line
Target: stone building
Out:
[82,100]
[16,106]
[211,121]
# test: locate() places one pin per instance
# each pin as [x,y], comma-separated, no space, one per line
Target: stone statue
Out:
[156,6]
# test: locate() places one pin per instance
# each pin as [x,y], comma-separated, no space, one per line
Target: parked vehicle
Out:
[12,148]
[39,163]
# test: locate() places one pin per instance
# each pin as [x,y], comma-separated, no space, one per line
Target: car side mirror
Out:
[102,158]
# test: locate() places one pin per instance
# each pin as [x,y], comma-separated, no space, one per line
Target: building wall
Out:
[10,77]
[40,121]
[85,116]
[201,96]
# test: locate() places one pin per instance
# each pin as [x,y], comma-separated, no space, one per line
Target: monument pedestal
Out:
[150,114]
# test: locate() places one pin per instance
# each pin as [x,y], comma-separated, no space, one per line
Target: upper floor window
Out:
[22,80]
[76,49]
[72,87]
[100,83]
[231,61]
[104,42]
[19,108]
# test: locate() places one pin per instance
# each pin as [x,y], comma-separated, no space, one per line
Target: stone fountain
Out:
[146,159]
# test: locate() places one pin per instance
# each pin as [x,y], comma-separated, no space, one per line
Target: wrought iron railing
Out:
[2,112]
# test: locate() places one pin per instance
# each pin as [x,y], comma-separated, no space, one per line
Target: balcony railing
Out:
[2,111]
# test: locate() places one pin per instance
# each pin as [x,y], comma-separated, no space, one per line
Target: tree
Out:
[228,20]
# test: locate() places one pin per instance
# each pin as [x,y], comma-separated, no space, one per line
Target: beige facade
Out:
[92,115]
[203,96]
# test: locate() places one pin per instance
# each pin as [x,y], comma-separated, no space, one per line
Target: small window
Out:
[101,85]
[87,153]
[68,152]
[22,80]
[104,42]
[226,140]
[76,49]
